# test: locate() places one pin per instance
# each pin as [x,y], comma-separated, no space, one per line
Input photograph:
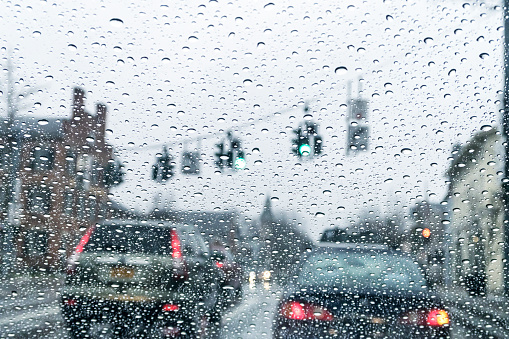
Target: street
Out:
[35,313]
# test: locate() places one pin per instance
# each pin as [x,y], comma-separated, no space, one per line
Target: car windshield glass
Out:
[361,270]
[133,239]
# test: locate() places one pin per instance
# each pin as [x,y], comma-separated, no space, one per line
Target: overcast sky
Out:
[174,71]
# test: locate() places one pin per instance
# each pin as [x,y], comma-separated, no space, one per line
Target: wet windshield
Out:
[275,137]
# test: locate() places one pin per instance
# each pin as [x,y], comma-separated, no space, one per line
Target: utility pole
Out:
[12,150]
[505,127]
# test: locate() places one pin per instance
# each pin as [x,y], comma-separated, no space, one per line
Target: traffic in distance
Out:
[158,279]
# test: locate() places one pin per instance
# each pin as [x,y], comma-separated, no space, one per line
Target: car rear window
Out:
[130,239]
[362,270]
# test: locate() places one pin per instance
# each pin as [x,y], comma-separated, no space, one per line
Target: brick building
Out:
[60,181]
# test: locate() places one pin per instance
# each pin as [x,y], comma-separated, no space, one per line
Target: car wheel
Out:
[78,329]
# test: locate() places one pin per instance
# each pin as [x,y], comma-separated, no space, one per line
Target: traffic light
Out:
[162,170]
[240,161]
[221,157]
[191,162]
[233,158]
[307,142]
[300,146]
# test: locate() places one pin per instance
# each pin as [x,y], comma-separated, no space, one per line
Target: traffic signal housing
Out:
[162,170]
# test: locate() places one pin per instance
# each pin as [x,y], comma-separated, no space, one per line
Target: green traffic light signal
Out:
[240,163]
[305,150]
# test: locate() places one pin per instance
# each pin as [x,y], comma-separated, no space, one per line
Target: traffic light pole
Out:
[505,127]
[13,151]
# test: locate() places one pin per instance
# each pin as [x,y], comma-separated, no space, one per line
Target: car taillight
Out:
[438,318]
[304,311]
[176,252]
[179,265]
[70,302]
[434,318]
[170,307]
[71,264]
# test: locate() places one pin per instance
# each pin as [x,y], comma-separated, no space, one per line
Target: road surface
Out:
[35,313]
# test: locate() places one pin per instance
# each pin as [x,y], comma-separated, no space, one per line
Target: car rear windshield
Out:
[362,270]
[138,239]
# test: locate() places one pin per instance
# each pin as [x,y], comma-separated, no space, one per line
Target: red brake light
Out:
[438,318]
[70,302]
[434,318]
[84,240]
[176,252]
[304,311]
[170,307]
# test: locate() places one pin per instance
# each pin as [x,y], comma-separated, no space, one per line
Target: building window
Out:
[68,203]
[39,200]
[42,159]
[36,243]
[81,207]
[70,164]
[92,208]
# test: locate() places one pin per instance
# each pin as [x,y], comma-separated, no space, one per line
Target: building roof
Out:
[34,128]
[470,151]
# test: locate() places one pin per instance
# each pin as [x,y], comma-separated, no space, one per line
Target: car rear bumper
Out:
[127,311]
[290,329]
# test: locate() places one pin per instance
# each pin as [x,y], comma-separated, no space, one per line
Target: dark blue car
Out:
[359,291]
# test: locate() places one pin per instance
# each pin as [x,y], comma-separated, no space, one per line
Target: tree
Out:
[113,173]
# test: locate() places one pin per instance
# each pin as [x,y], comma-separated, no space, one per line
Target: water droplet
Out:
[165,60]
[110,83]
[247,82]
[486,128]
[115,22]
[255,150]
[341,70]
[458,31]
[466,5]
[319,214]
[389,18]
[43,122]
[428,40]
[36,34]
[72,47]
[483,55]
[192,38]
[269,5]
[327,192]
[406,151]
[120,62]
[274,198]
[154,126]
[261,44]
[452,72]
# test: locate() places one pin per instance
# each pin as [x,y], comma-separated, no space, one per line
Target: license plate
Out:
[122,272]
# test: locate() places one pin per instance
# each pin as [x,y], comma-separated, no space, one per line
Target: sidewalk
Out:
[487,313]
[19,283]
[29,290]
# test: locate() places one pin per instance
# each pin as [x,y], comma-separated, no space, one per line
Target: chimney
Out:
[78,107]
[100,121]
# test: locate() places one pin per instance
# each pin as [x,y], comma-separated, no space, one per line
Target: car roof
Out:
[353,246]
[153,223]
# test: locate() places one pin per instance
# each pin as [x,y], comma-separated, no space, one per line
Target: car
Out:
[232,282]
[359,291]
[142,279]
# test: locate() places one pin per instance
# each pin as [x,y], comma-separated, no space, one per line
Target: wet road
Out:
[36,314]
